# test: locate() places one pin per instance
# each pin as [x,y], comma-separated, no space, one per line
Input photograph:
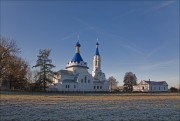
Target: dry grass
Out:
[58,107]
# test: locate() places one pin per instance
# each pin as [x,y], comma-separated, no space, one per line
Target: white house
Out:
[76,76]
[151,86]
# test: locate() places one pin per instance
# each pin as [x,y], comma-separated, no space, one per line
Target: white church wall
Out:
[70,87]
[63,77]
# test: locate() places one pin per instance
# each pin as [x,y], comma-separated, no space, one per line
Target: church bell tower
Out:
[96,61]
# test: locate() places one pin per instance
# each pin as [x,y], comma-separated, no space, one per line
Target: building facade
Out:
[151,86]
[76,76]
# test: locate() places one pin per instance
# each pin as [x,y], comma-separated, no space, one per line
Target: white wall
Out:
[150,88]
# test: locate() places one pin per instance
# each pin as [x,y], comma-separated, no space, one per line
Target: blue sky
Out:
[137,36]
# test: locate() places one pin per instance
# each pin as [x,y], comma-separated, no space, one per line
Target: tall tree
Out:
[17,72]
[112,83]
[130,79]
[45,65]
[8,49]
[13,69]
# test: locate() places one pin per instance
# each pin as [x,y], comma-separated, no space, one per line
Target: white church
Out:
[76,76]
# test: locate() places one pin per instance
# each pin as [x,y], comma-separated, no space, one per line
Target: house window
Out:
[81,80]
[88,81]
[74,86]
[142,88]
[100,87]
[68,86]
[94,87]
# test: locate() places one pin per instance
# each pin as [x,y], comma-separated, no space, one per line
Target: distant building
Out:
[151,86]
[76,76]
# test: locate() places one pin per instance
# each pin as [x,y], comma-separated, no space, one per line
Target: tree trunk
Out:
[10,84]
[44,77]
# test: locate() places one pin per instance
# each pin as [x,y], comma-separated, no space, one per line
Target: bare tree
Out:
[130,79]
[17,73]
[45,65]
[8,49]
[112,83]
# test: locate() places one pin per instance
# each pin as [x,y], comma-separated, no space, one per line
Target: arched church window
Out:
[85,78]
[96,63]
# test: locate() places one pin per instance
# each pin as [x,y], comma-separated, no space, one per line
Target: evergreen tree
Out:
[45,65]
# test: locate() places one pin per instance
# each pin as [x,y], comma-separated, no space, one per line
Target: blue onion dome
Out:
[77,44]
[77,58]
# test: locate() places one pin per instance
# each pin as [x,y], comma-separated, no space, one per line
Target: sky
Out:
[134,36]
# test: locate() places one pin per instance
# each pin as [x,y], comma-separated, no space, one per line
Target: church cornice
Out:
[77,66]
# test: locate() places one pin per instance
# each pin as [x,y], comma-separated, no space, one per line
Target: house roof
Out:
[156,82]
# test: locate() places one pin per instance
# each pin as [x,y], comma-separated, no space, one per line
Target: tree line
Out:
[129,81]
[16,73]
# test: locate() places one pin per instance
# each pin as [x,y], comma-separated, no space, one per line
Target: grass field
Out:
[24,106]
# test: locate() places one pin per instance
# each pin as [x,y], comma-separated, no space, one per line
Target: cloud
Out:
[73,34]
[133,49]
[88,26]
[69,36]
[158,65]
[164,4]
[160,6]
[126,13]
[154,51]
